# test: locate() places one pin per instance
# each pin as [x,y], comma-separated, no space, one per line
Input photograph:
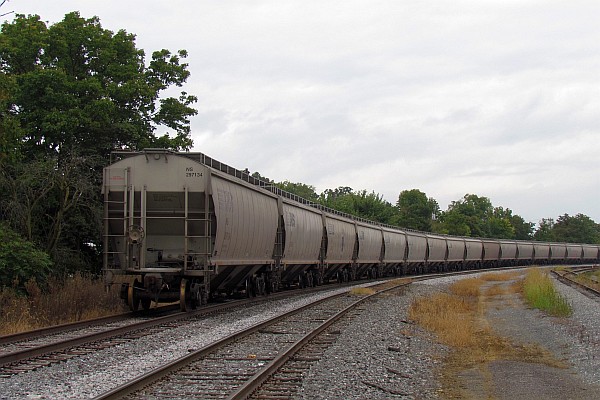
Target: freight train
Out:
[185,227]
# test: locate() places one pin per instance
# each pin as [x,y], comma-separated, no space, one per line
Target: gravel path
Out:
[380,356]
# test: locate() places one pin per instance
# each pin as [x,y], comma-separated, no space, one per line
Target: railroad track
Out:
[566,276]
[32,350]
[238,364]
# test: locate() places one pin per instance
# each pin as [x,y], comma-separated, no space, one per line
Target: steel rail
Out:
[577,285]
[248,388]
[37,351]
[152,376]
[71,326]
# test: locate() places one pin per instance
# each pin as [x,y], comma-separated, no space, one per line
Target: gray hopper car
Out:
[184,227]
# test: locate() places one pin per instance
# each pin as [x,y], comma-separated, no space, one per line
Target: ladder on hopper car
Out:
[126,218]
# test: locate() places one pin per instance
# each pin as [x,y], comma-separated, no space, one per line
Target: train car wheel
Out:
[133,299]
[182,294]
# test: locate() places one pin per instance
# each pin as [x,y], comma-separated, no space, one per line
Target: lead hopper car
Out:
[186,227]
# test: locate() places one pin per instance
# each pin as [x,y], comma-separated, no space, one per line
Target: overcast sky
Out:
[496,98]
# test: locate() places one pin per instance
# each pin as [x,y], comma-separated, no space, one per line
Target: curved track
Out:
[32,350]
[241,360]
[566,277]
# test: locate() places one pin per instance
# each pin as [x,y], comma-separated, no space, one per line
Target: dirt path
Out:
[520,356]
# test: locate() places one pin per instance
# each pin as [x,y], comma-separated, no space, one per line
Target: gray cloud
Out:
[495,98]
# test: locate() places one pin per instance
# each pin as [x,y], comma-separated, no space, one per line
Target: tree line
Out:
[71,92]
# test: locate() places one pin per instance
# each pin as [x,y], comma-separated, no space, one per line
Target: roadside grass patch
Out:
[539,292]
[361,291]
[495,290]
[467,287]
[458,320]
[499,277]
[66,300]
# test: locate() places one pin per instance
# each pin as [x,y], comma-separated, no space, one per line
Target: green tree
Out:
[70,93]
[416,210]
[471,211]
[523,230]
[44,199]
[576,229]
[20,260]
[362,204]
[299,189]
[83,89]
[545,231]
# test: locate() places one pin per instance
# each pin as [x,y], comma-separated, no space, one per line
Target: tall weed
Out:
[539,292]
[71,299]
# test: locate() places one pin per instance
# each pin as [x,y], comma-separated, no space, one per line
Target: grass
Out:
[72,299]
[590,278]
[361,291]
[458,320]
[539,292]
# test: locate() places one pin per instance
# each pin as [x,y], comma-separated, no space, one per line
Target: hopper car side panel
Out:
[558,251]
[369,244]
[473,253]
[590,253]
[525,252]
[508,253]
[491,252]
[574,252]
[341,235]
[303,234]
[456,250]
[246,224]
[395,246]
[417,252]
[541,252]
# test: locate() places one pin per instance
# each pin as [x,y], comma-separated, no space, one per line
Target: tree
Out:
[299,189]
[42,198]
[70,93]
[416,211]
[523,230]
[576,229]
[20,260]
[79,88]
[545,232]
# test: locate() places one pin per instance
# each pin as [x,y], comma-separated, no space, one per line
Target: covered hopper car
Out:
[184,227]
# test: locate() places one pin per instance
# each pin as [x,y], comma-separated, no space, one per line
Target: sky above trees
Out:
[494,98]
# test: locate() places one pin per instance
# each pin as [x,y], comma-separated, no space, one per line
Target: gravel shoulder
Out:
[381,356]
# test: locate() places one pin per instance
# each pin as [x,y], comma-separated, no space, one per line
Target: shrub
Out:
[20,261]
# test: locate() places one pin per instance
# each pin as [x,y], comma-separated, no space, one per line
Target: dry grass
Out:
[458,320]
[360,291]
[467,287]
[499,277]
[495,290]
[447,315]
[72,299]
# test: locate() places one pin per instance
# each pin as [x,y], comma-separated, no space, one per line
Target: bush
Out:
[20,261]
